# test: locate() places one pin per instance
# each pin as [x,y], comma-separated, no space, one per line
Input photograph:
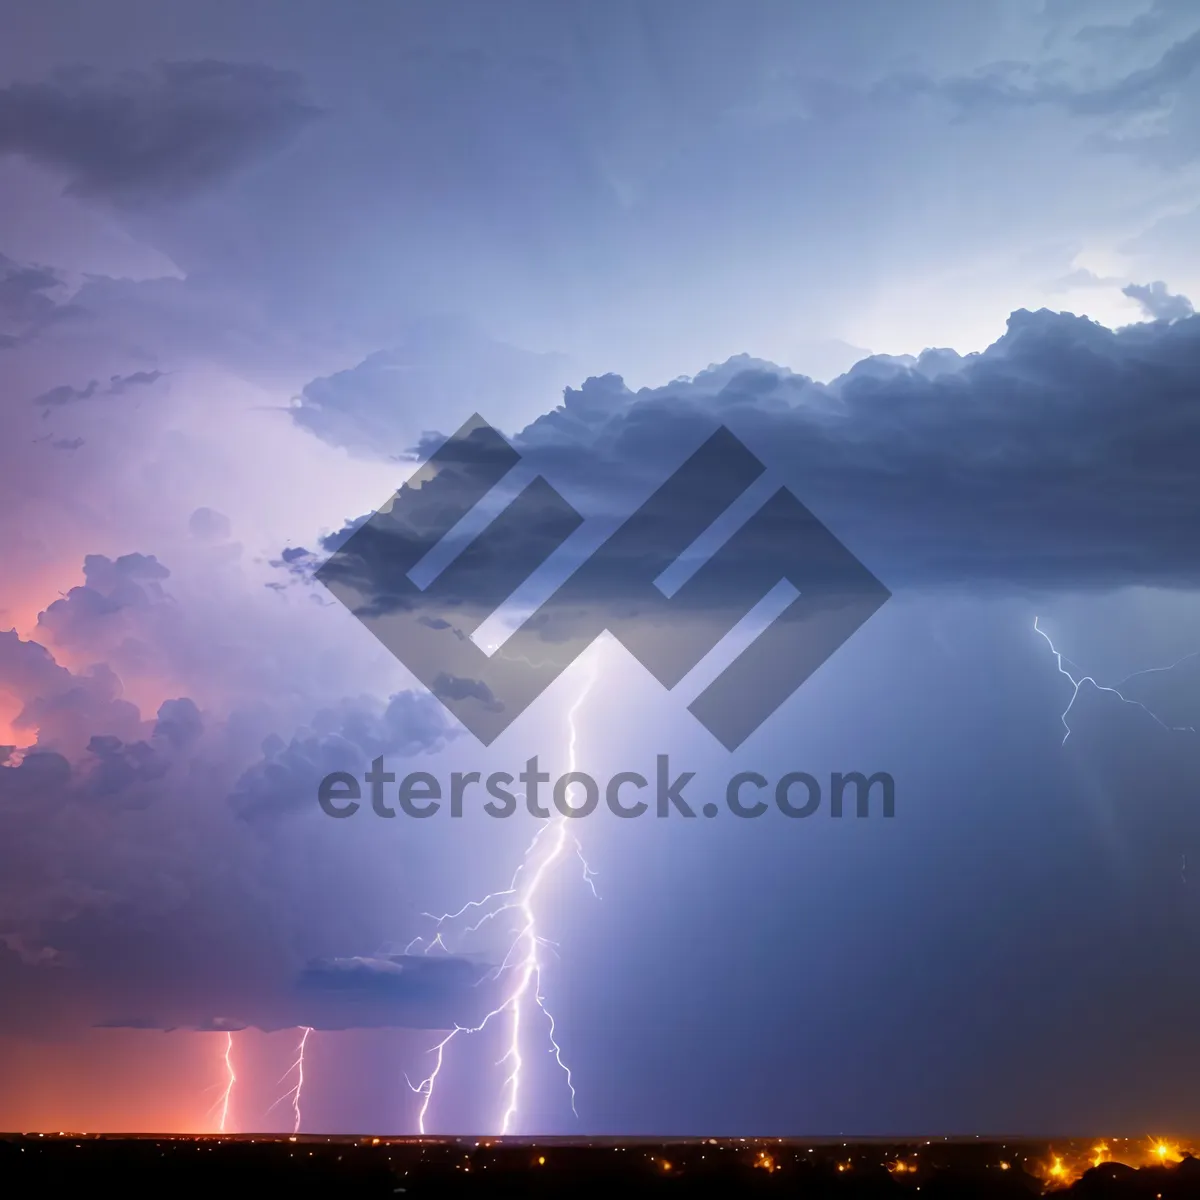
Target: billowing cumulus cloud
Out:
[143,866]
[1059,458]
[339,738]
[151,135]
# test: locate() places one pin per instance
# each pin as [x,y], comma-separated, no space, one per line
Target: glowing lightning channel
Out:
[231,1080]
[1076,684]
[523,961]
[293,1093]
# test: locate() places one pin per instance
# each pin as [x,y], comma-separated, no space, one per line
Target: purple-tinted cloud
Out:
[151,135]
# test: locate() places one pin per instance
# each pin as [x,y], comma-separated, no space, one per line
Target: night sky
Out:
[928,261]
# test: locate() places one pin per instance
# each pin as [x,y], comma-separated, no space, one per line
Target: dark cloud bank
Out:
[160,134]
[1060,458]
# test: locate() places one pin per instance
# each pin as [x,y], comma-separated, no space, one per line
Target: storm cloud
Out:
[1158,303]
[112,820]
[158,134]
[546,215]
[31,298]
[118,385]
[1061,458]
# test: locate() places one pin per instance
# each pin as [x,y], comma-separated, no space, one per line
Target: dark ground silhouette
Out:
[327,1166]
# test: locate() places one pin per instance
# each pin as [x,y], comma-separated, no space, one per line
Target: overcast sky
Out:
[931,262]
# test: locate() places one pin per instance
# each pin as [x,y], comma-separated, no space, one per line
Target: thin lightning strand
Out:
[523,961]
[297,1068]
[231,1080]
[1076,684]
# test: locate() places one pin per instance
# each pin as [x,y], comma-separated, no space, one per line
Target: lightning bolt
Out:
[231,1079]
[522,964]
[297,1068]
[1076,684]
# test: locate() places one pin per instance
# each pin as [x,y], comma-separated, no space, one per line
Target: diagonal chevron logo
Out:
[616,588]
